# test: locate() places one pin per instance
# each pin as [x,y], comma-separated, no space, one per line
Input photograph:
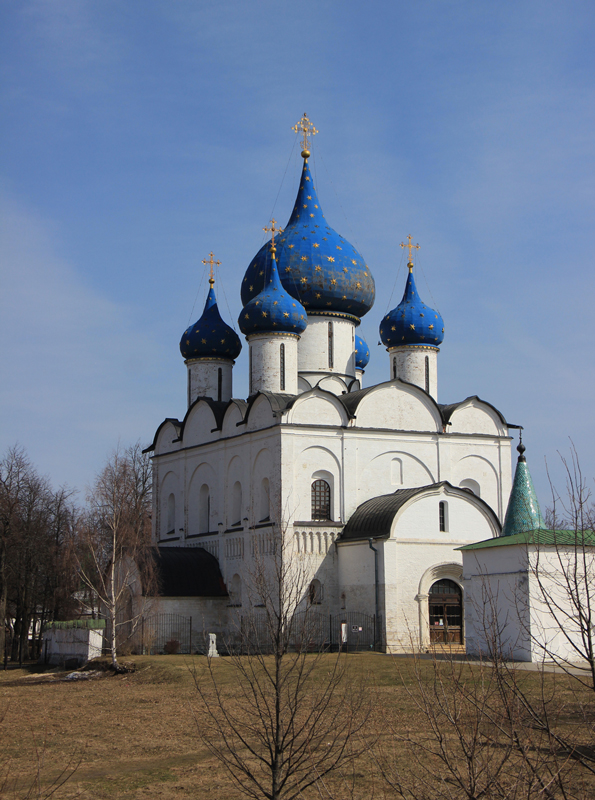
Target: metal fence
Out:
[164,633]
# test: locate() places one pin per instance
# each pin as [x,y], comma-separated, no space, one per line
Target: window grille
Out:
[330,345]
[427,375]
[282,358]
[443,516]
[321,500]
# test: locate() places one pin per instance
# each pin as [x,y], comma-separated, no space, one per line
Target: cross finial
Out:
[305,127]
[212,263]
[411,247]
[272,230]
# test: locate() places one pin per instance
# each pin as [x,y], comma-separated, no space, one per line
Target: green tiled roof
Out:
[523,513]
[539,536]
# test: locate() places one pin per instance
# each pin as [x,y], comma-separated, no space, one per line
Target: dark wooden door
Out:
[446,613]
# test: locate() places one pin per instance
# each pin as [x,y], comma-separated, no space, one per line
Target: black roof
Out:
[188,572]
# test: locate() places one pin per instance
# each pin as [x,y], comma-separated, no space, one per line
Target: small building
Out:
[527,591]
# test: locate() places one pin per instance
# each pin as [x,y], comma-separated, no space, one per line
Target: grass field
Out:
[134,735]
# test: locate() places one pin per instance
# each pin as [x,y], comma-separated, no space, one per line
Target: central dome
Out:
[316,265]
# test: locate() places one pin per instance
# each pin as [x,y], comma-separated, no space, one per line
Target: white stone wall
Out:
[266,360]
[313,349]
[203,379]
[409,364]
[519,598]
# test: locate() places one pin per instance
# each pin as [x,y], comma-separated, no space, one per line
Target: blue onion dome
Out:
[317,266]
[210,337]
[362,353]
[412,321]
[273,309]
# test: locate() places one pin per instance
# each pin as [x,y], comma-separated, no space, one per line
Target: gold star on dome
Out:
[307,178]
[393,328]
[317,295]
[286,313]
[261,272]
[309,197]
[311,215]
[204,341]
[324,239]
[412,326]
[358,284]
[315,206]
[318,269]
[305,238]
[431,327]
[353,261]
[304,258]
[222,341]
[291,246]
[257,303]
[251,289]
[339,248]
[442,330]
[276,303]
[187,341]
[345,298]
[287,269]
[344,269]
[315,244]
[330,258]
[303,280]
[264,314]
[333,282]
[305,206]
[246,316]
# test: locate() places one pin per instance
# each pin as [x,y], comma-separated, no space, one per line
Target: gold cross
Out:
[211,262]
[272,230]
[305,127]
[411,247]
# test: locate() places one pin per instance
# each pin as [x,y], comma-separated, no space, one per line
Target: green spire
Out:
[523,513]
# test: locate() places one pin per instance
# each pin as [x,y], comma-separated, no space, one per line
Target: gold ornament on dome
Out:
[306,129]
[411,247]
[272,230]
[212,263]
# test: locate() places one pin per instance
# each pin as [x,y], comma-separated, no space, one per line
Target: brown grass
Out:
[134,735]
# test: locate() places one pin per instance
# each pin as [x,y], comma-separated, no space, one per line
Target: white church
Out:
[374,488]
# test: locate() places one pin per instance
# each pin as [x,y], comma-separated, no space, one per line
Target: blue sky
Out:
[139,136]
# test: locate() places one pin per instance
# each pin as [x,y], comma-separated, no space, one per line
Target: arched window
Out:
[236,504]
[396,472]
[235,591]
[427,375]
[219,383]
[472,485]
[250,381]
[331,355]
[443,515]
[265,501]
[282,366]
[394,368]
[315,593]
[171,513]
[321,500]
[204,509]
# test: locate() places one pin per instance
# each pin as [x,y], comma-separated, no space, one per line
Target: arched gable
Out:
[200,424]
[260,414]
[397,406]
[332,383]
[482,471]
[167,437]
[233,416]
[317,407]
[469,518]
[312,463]
[475,416]
[203,474]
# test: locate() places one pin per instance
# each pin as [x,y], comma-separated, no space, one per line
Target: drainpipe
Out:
[377,624]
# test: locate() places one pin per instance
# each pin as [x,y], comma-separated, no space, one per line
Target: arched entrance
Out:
[445,604]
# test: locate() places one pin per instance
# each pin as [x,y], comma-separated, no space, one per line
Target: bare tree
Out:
[114,554]
[289,717]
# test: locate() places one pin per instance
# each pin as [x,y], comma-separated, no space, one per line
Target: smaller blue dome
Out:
[412,321]
[362,353]
[273,309]
[210,337]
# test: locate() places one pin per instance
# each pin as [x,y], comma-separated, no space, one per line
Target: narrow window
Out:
[395,368]
[282,358]
[204,506]
[236,504]
[427,375]
[330,345]
[171,513]
[219,383]
[265,501]
[315,593]
[443,515]
[321,500]
[250,369]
